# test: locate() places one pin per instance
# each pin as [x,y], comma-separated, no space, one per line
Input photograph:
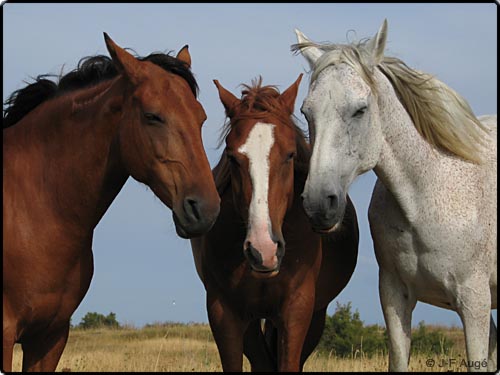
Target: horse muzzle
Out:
[264,257]
[195,217]
[325,211]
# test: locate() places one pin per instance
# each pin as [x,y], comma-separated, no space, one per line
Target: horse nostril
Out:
[332,201]
[281,249]
[192,209]
[252,254]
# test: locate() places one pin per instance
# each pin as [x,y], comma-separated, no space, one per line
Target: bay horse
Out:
[242,262]
[433,211]
[68,149]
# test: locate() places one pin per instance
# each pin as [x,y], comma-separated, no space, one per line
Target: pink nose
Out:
[261,251]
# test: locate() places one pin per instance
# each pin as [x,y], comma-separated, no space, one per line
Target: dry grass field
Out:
[190,348]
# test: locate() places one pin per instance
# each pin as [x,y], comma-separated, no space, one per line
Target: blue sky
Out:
[143,271]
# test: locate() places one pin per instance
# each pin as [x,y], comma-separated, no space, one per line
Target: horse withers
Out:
[248,272]
[433,212]
[68,149]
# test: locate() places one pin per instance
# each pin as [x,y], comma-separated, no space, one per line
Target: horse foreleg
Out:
[492,350]
[256,349]
[8,350]
[9,334]
[397,305]
[313,335]
[9,340]
[42,353]
[228,330]
[292,329]
[271,339]
[474,307]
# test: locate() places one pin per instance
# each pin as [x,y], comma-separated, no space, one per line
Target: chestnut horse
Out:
[68,150]
[242,260]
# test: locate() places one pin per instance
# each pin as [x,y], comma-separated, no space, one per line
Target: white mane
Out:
[441,115]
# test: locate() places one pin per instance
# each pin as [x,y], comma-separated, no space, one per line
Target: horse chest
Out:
[255,297]
[49,289]
[432,262]
[430,254]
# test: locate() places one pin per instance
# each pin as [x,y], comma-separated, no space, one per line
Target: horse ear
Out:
[124,61]
[184,55]
[228,99]
[290,94]
[310,52]
[376,45]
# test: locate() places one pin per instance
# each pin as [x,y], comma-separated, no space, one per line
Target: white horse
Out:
[433,212]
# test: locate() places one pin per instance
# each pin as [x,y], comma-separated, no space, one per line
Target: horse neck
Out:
[77,151]
[406,158]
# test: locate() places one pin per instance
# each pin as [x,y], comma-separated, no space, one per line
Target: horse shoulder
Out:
[391,233]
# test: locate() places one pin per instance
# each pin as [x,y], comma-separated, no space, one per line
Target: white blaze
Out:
[257,149]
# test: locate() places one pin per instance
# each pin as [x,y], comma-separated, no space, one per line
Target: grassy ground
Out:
[187,348]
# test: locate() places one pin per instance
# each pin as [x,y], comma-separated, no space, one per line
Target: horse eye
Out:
[153,119]
[290,156]
[360,112]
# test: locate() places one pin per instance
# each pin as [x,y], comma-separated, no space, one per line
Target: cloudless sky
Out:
[145,273]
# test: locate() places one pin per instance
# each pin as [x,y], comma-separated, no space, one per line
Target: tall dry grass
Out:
[188,348]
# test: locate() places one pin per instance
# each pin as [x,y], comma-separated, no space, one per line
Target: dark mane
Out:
[259,102]
[90,71]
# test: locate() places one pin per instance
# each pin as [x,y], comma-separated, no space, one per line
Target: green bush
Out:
[344,334]
[96,320]
[433,342]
